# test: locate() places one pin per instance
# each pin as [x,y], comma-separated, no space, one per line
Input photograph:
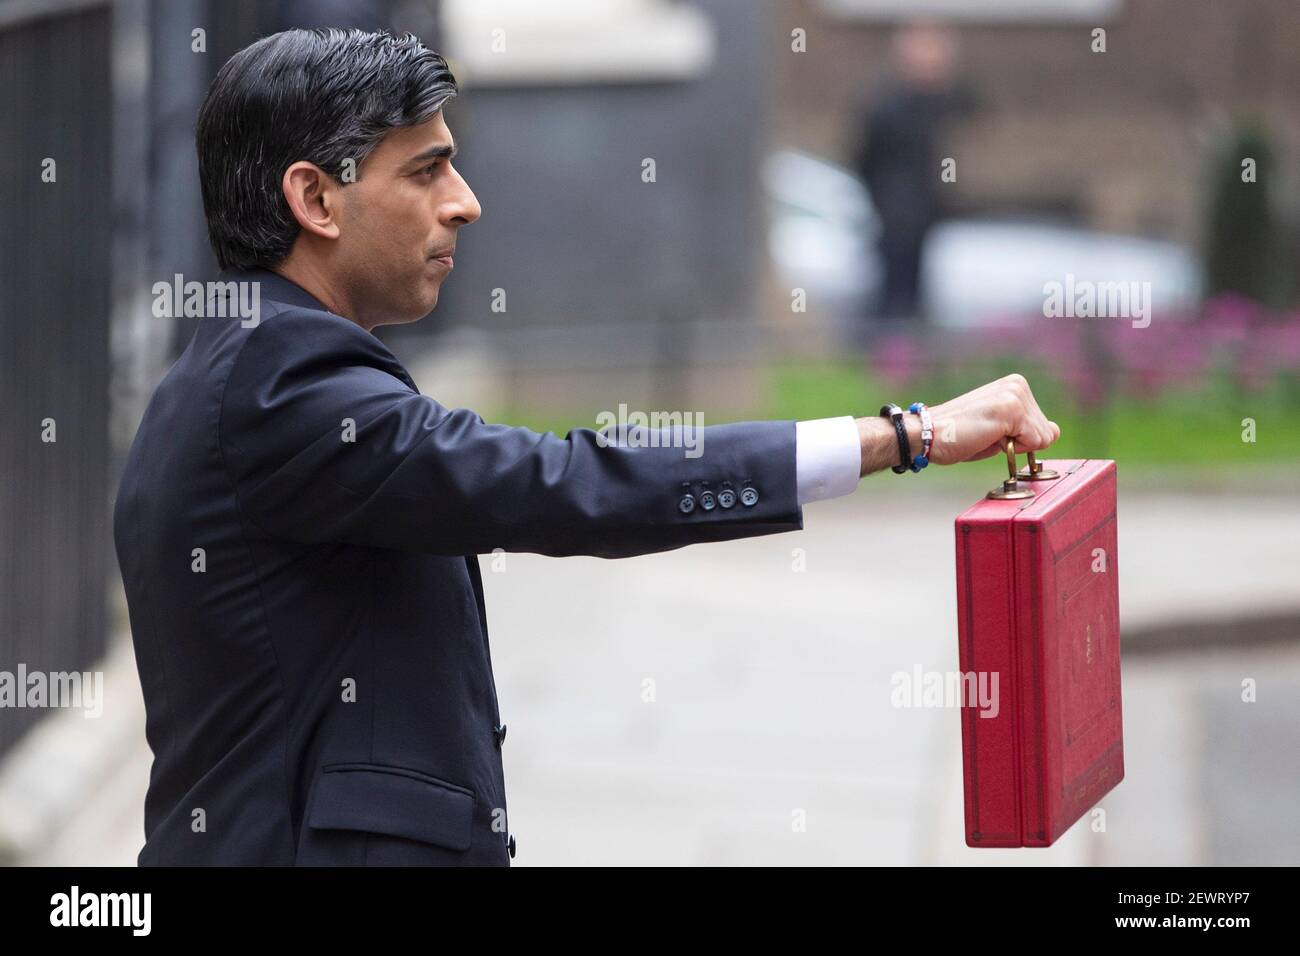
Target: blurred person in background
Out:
[897,154]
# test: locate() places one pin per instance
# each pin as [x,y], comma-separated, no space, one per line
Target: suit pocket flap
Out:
[395,801]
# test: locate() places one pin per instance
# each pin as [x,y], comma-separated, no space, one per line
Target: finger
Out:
[1048,430]
[1020,443]
[1035,433]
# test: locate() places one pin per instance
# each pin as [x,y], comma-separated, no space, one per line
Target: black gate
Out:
[55,225]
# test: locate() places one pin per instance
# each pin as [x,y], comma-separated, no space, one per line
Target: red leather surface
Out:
[1038,603]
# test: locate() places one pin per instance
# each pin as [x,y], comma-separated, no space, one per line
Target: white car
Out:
[822,232]
[974,272]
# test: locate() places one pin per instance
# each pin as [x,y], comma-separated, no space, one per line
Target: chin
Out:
[429,304]
[409,317]
[424,296]
[408,312]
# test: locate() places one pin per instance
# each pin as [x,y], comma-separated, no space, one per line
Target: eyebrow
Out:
[448,150]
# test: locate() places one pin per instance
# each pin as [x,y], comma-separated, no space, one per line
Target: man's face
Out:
[398,223]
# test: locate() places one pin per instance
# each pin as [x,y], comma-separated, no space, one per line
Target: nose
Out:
[461,208]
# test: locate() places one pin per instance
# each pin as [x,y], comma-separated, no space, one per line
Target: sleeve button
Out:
[749,497]
[687,504]
[726,497]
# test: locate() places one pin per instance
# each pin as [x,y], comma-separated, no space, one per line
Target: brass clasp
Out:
[1036,472]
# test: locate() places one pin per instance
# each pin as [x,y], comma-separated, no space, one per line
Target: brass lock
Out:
[1011,486]
[1036,472]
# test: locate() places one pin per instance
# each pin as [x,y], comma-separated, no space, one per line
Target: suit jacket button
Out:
[726,497]
[707,501]
[500,733]
[511,846]
[687,504]
[748,497]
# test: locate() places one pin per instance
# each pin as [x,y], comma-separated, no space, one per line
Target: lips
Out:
[444,257]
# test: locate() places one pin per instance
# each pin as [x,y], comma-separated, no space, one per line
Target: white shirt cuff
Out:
[828,458]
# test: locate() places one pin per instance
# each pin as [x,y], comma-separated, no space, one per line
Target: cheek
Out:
[357,222]
[383,219]
[406,226]
[389,234]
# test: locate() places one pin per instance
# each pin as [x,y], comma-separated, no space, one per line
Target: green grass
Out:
[1177,430]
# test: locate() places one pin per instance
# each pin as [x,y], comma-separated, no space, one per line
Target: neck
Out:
[310,276]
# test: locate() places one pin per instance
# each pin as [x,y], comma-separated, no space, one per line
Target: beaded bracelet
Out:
[927,435]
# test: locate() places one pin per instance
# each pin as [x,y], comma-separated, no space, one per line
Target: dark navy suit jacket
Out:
[307,610]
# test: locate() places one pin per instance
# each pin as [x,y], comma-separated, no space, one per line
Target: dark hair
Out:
[323,96]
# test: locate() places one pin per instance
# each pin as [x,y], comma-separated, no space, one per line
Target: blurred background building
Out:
[744,208]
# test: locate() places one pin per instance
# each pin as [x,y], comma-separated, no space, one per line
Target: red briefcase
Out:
[1038,617]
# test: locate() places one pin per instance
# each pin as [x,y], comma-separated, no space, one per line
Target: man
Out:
[298,527]
[898,155]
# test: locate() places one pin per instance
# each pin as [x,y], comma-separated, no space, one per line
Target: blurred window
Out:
[526,43]
[1075,10]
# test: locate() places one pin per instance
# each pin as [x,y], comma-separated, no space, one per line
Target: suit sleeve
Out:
[326,440]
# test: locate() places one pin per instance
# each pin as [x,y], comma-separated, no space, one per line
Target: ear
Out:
[313,199]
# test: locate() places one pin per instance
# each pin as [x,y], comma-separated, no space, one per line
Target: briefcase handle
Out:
[1010,488]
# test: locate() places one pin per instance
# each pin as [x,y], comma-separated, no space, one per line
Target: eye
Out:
[430,169]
